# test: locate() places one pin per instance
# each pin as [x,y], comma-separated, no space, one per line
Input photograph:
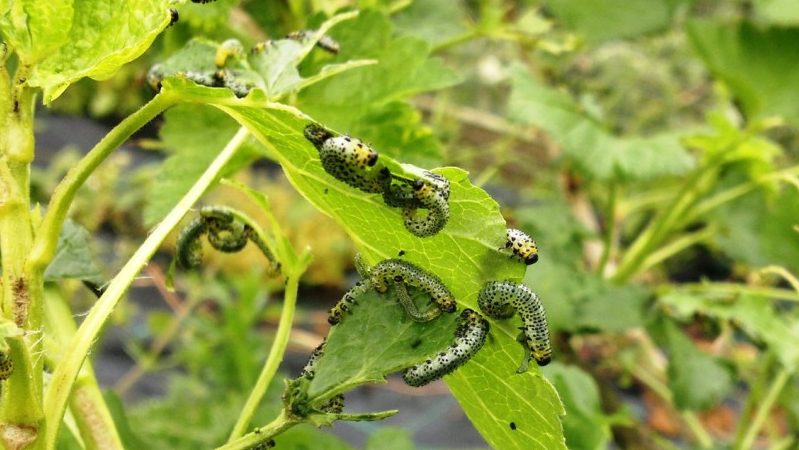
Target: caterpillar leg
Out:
[350,298]
[499,299]
[469,338]
[405,300]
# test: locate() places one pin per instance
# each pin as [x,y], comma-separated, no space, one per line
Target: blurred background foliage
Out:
[649,146]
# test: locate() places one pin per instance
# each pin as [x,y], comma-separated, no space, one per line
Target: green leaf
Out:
[105,34]
[193,137]
[585,426]
[376,338]
[600,20]
[306,437]
[697,379]
[73,259]
[754,314]
[348,101]
[464,255]
[758,228]
[435,21]
[35,28]
[758,64]
[587,142]
[390,438]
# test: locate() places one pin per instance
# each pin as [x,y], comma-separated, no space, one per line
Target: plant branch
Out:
[262,434]
[763,410]
[44,245]
[65,373]
[610,229]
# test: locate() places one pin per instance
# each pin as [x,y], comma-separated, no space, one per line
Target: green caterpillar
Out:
[522,246]
[500,299]
[470,336]
[6,366]
[224,233]
[348,159]
[400,274]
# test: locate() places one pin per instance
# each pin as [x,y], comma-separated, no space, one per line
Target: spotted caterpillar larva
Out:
[400,274]
[325,42]
[469,338]
[6,366]
[435,200]
[310,367]
[522,245]
[499,299]
[348,159]
[265,445]
[224,232]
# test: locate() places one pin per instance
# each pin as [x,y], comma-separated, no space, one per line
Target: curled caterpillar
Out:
[400,274]
[310,367]
[325,42]
[469,338]
[224,232]
[403,273]
[203,1]
[522,245]
[6,366]
[436,203]
[173,16]
[230,48]
[348,159]
[499,299]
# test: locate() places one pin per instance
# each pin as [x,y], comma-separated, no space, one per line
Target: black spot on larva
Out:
[416,343]
[513,426]
[326,190]
[401,253]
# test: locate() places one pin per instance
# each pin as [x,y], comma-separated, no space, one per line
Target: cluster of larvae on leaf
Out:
[231,67]
[497,299]
[354,162]
[225,229]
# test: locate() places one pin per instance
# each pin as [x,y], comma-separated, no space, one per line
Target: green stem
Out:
[764,409]
[676,246]
[689,417]
[740,289]
[274,358]
[262,434]
[665,221]
[91,414]
[65,373]
[44,245]
[610,229]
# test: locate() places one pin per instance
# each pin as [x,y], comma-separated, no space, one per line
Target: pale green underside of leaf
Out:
[464,255]
[586,142]
[104,35]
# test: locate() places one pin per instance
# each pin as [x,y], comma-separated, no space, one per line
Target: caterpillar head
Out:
[352,150]
[522,245]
